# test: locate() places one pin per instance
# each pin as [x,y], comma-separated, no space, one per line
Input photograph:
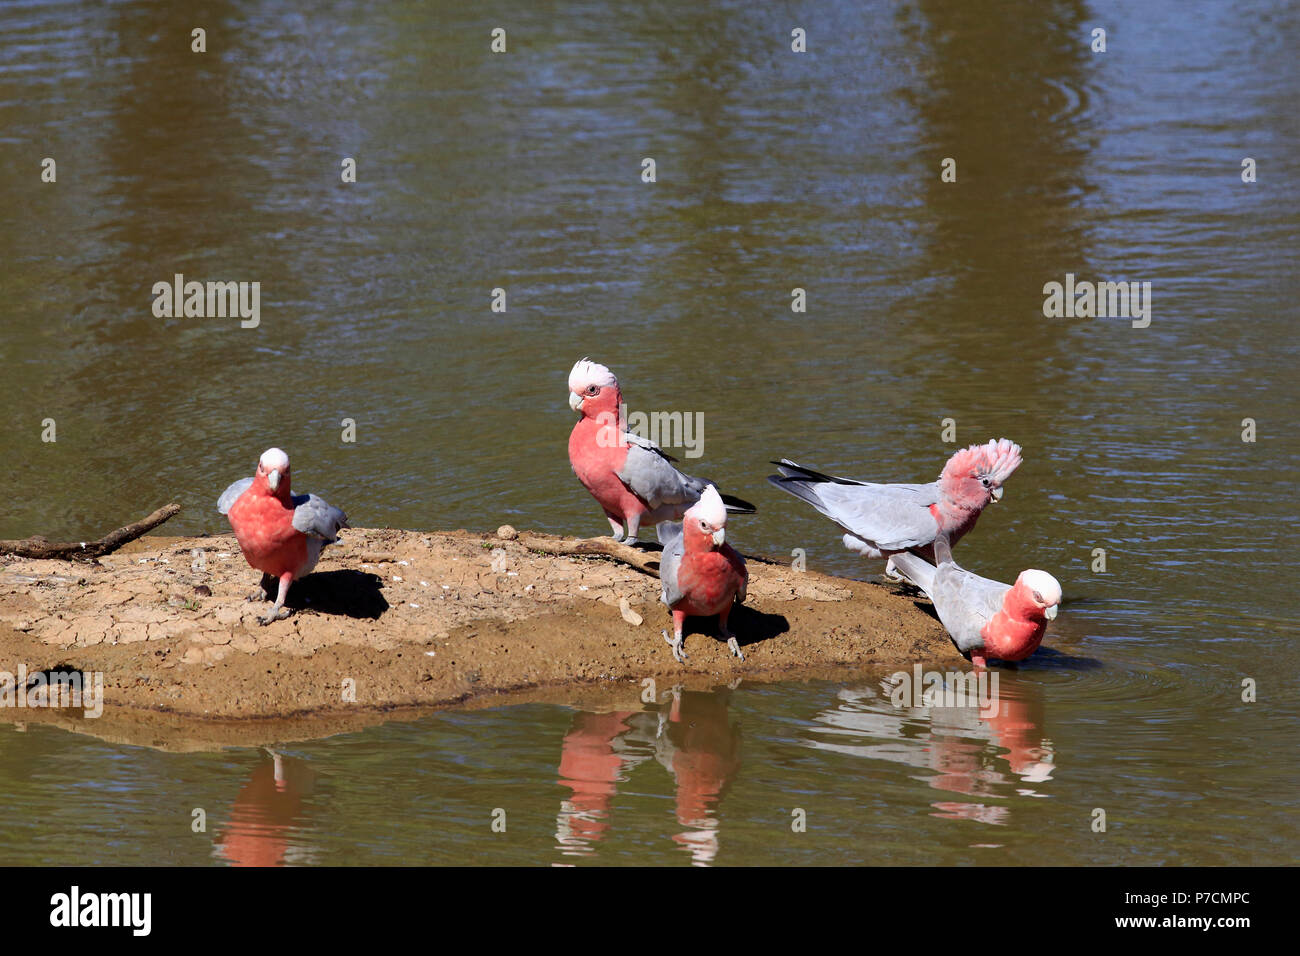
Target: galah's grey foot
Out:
[677,643]
[735,647]
[892,573]
[277,613]
[263,592]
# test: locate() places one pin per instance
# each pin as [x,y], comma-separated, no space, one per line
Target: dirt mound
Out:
[402,619]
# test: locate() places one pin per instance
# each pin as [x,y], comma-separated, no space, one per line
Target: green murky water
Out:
[775,170]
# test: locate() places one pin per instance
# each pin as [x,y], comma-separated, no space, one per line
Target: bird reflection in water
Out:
[690,736]
[266,813]
[989,758]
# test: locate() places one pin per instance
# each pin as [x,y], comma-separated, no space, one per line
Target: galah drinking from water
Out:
[630,477]
[883,520]
[985,618]
[701,574]
[281,535]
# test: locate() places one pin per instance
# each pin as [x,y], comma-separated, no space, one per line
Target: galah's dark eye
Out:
[592,389]
[1039,598]
[985,482]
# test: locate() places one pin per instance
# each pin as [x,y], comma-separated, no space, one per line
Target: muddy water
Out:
[924,302]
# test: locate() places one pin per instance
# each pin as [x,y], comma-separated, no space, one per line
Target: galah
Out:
[701,574]
[884,520]
[985,618]
[281,535]
[630,477]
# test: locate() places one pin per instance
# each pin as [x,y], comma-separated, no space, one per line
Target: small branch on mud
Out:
[644,561]
[37,547]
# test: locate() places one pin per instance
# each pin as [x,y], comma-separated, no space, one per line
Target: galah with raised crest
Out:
[883,520]
[986,618]
[281,534]
[701,574]
[631,478]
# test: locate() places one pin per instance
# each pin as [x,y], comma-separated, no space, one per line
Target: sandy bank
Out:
[413,621]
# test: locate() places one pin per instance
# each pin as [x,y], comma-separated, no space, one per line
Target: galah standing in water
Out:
[701,574]
[986,618]
[629,476]
[884,520]
[281,535]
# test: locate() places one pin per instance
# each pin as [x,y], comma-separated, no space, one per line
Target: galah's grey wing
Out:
[670,560]
[317,519]
[890,517]
[231,494]
[965,602]
[634,439]
[917,570]
[651,477]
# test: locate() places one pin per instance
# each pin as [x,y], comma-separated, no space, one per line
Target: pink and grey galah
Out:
[630,477]
[701,574]
[281,535]
[885,520]
[985,618]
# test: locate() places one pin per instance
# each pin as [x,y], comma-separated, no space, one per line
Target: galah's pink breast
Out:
[709,581]
[1014,632]
[596,458]
[954,523]
[263,526]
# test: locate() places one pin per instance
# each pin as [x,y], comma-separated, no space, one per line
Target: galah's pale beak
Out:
[575,401]
[996,492]
[273,479]
[1050,613]
[719,537]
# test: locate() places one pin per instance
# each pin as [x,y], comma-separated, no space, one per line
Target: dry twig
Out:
[37,547]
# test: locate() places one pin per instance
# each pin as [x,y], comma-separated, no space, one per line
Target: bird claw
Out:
[277,614]
[678,646]
[734,645]
[263,592]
